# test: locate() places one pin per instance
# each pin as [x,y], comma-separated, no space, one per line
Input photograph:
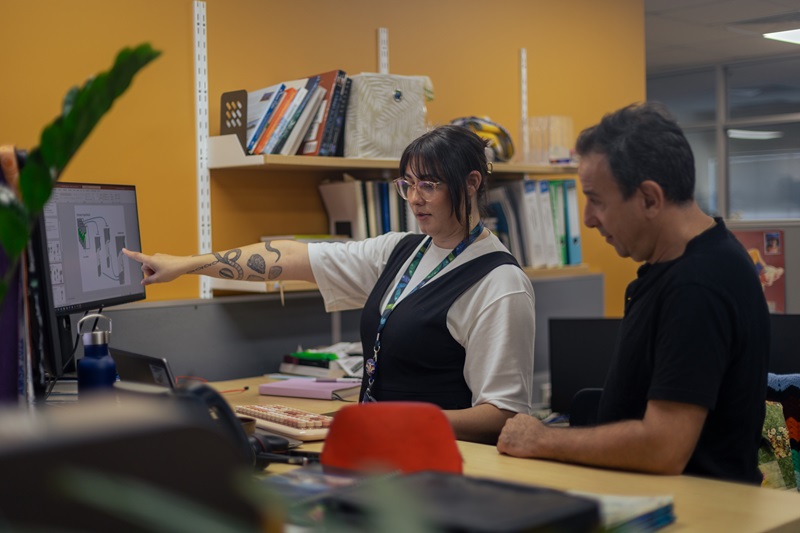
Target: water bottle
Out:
[96,369]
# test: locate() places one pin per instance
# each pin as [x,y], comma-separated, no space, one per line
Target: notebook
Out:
[137,368]
[319,389]
[450,502]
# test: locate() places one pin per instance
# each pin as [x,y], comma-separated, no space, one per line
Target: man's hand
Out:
[521,436]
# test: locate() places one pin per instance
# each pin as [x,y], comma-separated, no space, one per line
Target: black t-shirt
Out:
[696,330]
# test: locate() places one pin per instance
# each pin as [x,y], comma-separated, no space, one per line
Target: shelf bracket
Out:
[201,124]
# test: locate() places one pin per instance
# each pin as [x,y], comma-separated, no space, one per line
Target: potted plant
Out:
[22,202]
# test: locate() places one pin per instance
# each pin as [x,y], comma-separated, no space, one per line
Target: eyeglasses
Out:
[425,189]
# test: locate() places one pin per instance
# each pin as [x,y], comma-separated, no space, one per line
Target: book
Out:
[336,146]
[298,94]
[503,209]
[274,120]
[301,100]
[344,204]
[638,514]
[300,129]
[312,142]
[572,223]
[310,388]
[260,106]
[330,122]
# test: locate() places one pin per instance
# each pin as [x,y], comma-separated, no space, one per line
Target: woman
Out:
[448,316]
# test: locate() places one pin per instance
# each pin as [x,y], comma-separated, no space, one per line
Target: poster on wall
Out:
[766,249]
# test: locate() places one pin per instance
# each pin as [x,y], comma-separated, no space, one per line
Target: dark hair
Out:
[449,154]
[643,142]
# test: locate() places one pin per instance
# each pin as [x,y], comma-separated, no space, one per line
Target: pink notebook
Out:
[310,388]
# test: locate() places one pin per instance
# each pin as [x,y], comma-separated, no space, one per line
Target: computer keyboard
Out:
[289,421]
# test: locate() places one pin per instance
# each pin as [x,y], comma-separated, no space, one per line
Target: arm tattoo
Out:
[268,246]
[230,258]
[257,263]
[274,272]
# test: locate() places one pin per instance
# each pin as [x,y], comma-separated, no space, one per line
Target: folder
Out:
[310,388]
[546,214]
[344,204]
[559,225]
[572,224]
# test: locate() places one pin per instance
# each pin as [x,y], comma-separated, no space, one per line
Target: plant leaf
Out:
[85,107]
[13,223]
[35,182]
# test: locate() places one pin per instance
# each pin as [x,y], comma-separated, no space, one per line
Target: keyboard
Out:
[288,421]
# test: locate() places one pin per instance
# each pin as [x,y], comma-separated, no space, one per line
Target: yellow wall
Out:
[585,58]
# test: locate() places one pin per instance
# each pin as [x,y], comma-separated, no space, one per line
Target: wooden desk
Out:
[701,505]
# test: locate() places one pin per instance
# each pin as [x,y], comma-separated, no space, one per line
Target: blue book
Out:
[260,106]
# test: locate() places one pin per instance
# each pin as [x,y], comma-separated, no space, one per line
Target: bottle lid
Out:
[91,338]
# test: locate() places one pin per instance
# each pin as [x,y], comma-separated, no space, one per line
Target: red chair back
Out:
[388,436]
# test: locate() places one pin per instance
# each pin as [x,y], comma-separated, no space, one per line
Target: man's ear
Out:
[653,198]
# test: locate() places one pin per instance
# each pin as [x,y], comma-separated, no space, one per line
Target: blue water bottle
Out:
[96,369]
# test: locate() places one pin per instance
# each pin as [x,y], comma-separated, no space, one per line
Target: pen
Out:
[339,380]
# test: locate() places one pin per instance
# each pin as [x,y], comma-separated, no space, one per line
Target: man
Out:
[685,392]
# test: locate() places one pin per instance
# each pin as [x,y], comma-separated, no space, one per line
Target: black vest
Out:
[419,359]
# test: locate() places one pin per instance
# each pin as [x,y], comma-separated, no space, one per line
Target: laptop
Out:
[138,368]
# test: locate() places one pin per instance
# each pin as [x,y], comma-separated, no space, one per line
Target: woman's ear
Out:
[474,181]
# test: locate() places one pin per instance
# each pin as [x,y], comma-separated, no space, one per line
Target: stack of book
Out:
[338,360]
[298,117]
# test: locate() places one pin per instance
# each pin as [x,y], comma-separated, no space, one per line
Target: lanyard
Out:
[371,365]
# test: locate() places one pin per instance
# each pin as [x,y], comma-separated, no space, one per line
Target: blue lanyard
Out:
[371,365]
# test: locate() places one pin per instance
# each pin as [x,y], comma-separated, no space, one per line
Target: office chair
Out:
[584,406]
[389,436]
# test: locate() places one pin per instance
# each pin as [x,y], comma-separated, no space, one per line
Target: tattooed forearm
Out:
[257,263]
[230,258]
[274,272]
[268,246]
[252,277]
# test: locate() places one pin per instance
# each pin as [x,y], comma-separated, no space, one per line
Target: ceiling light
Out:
[789,36]
[754,135]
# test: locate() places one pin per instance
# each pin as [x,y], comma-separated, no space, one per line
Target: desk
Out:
[701,505]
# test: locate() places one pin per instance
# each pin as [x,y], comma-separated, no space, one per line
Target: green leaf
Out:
[35,183]
[14,230]
[81,110]
[85,107]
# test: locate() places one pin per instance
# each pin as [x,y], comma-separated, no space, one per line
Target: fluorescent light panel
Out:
[789,36]
[754,134]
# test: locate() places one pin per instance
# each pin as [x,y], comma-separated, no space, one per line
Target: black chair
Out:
[584,406]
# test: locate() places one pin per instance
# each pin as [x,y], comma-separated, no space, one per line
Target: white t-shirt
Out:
[493,320]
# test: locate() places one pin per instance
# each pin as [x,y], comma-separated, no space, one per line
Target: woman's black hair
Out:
[449,154]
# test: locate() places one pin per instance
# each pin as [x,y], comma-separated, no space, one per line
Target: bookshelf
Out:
[225,152]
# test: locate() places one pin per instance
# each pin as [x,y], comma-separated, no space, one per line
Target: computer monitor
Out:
[784,347]
[581,350]
[77,250]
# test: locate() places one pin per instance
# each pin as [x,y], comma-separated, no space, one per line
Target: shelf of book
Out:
[224,151]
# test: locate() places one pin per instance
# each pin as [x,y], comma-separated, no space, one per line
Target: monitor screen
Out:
[86,226]
[581,350]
